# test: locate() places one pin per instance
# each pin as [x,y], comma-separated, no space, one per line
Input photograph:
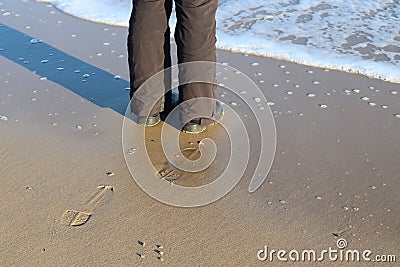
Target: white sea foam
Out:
[360,36]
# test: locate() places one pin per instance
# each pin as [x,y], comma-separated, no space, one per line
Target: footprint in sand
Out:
[75,218]
[98,194]
[167,173]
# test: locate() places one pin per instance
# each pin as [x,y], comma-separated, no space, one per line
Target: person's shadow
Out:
[94,84]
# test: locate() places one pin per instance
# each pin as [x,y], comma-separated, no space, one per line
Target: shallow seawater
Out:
[359,36]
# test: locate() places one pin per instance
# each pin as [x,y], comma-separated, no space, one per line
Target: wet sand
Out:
[68,197]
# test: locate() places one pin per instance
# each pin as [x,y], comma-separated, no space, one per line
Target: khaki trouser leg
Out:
[148,49]
[195,39]
[148,52]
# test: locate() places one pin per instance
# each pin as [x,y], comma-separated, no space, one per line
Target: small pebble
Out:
[109,174]
[311,95]
[322,106]
[78,127]
[34,41]
[3,118]
[132,150]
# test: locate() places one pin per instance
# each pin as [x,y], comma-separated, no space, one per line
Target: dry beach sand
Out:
[68,197]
